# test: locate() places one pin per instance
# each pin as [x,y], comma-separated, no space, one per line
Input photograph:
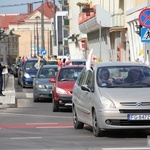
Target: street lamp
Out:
[37,18]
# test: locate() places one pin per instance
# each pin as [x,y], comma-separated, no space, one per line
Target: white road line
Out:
[29,95]
[22,138]
[39,123]
[29,115]
[128,148]
[59,127]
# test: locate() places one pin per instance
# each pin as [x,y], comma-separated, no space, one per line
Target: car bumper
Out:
[116,120]
[64,102]
[43,93]
[28,82]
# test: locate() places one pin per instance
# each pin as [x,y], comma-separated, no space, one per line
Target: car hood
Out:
[66,85]
[126,94]
[43,81]
[31,73]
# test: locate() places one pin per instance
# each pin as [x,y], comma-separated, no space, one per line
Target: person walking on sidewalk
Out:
[1,78]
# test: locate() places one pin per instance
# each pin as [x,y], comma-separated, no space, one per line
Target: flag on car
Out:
[89,60]
[37,65]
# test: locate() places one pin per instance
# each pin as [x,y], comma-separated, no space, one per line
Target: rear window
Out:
[30,65]
[78,62]
[67,74]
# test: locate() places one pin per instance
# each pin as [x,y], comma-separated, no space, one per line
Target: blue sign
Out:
[43,52]
[144,18]
[145,34]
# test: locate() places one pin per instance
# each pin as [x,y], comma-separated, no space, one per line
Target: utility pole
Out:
[54,12]
[42,26]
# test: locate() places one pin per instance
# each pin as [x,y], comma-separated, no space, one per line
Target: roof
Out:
[6,19]
[73,66]
[102,64]
[50,66]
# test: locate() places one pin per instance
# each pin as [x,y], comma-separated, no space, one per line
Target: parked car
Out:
[16,67]
[112,96]
[42,88]
[27,71]
[63,86]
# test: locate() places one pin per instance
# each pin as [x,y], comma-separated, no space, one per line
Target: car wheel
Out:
[96,130]
[55,107]
[76,122]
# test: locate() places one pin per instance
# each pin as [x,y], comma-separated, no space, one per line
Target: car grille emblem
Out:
[138,104]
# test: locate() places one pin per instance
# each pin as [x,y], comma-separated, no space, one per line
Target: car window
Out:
[82,77]
[69,74]
[90,80]
[47,73]
[52,62]
[126,76]
[30,65]
[78,62]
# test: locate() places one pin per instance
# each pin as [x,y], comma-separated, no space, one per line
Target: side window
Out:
[90,80]
[82,77]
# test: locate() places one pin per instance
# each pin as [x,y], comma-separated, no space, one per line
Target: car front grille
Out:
[135,103]
[130,123]
[134,110]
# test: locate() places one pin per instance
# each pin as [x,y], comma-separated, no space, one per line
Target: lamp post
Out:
[37,17]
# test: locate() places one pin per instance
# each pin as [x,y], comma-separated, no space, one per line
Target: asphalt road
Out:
[33,126]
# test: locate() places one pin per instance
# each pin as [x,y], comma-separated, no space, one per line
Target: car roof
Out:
[103,64]
[34,59]
[73,66]
[49,66]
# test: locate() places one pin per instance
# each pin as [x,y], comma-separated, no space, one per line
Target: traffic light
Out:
[138,31]
[87,10]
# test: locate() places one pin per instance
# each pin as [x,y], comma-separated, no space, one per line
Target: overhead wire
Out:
[14,5]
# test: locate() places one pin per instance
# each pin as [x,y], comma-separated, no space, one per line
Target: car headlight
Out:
[40,86]
[60,91]
[27,75]
[107,103]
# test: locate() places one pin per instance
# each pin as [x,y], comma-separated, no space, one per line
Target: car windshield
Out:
[69,74]
[47,73]
[78,62]
[52,62]
[124,76]
[29,66]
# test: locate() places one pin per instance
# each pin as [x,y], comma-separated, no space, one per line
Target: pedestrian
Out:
[1,78]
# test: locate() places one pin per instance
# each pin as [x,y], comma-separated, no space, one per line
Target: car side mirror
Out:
[85,88]
[53,80]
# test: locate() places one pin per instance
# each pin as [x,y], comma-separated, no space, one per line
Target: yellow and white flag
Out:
[37,65]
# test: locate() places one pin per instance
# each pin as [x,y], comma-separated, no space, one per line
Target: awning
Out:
[115,29]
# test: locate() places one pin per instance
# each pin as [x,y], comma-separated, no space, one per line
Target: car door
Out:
[87,96]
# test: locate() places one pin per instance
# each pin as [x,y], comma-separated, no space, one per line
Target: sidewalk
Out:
[10,99]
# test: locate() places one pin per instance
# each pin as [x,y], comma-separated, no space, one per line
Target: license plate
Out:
[138,116]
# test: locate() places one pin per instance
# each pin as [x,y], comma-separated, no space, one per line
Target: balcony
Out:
[65,42]
[118,20]
[66,22]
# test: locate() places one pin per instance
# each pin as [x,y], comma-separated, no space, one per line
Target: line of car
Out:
[118,102]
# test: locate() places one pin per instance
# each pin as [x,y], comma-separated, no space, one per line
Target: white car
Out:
[112,96]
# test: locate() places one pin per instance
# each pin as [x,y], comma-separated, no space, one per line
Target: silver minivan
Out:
[113,95]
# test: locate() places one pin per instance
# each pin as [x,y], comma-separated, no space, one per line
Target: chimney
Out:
[30,8]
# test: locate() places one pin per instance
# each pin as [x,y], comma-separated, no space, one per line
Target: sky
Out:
[7,8]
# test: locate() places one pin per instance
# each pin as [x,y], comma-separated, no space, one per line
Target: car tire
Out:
[55,107]
[96,129]
[76,122]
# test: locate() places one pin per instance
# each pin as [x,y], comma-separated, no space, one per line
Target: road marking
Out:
[128,148]
[22,138]
[29,115]
[36,125]
[29,95]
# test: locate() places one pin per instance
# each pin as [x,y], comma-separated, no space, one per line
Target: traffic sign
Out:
[144,18]
[145,35]
[43,52]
